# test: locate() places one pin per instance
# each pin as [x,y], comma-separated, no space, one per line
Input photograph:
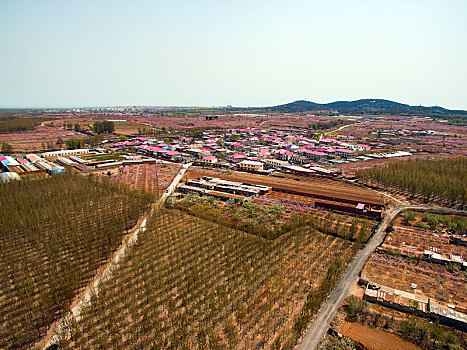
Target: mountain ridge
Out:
[364,106]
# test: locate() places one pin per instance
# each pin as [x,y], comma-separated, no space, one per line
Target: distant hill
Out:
[364,106]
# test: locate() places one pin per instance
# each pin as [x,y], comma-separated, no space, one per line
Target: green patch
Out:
[268,221]
[103,157]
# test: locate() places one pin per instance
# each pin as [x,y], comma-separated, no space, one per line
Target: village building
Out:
[250,165]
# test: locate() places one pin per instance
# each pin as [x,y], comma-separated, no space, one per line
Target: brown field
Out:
[234,120]
[375,339]
[35,140]
[433,280]
[313,187]
[128,128]
[414,241]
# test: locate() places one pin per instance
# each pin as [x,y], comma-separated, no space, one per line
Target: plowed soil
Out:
[374,338]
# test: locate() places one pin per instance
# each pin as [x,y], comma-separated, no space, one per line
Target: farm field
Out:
[128,128]
[195,119]
[102,157]
[436,281]
[414,241]
[193,284]
[269,219]
[453,224]
[339,224]
[317,187]
[151,178]
[35,140]
[55,235]
[374,339]
[436,180]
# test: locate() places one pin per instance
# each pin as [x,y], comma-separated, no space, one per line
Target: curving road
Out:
[322,320]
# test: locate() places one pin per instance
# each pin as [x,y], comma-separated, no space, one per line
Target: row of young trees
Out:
[103,127]
[16,124]
[189,283]
[54,235]
[327,125]
[262,220]
[434,179]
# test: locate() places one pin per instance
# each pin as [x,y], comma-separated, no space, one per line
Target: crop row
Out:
[152,178]
[191,284]
[55,234]
[439,180]
[269,219]
[406,239]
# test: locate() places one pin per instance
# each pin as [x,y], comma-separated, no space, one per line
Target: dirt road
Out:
[105,272]
[322,320]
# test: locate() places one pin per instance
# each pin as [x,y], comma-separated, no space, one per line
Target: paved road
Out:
[323,319]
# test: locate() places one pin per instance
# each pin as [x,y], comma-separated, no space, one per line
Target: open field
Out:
[38,139]
[435,281]
[55,234]
[374,339]
[152,178]
[313,187]
[128,128]
[190,283]
[193,120]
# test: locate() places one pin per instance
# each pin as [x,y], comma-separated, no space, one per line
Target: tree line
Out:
[430,179]
[103,127]
[16,124]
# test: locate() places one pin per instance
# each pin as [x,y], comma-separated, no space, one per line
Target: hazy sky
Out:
[243,53]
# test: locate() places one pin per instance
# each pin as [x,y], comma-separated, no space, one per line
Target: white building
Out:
[65,152]
[250,165]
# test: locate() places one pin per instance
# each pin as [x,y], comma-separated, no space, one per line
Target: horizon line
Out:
[215,107]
